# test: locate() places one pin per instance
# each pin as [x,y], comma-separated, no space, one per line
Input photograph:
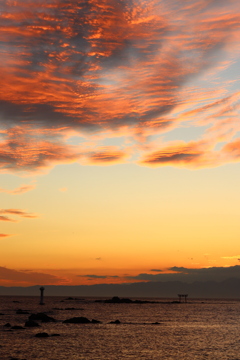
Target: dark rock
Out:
[43,334]
[156,323]
[96,321]
[115,322]
[17,327]
[71,298]
[2,314]
[55,334]
[7,325]
[31,323]
[70,309]
[77,320]
[41,316]
[117,300]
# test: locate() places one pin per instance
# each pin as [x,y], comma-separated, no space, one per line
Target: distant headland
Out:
[229,288]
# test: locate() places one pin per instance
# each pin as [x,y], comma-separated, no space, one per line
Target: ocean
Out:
[198,329]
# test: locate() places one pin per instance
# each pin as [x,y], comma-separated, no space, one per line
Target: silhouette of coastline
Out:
[117,300]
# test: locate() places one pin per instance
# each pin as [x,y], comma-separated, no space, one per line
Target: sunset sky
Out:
[119,139]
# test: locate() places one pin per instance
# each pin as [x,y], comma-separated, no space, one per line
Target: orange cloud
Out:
[232,150]
[28,278]
[191,154]
[16,212]
[6,218]
[32,153]
[20,190]
[4,235]
[102,66]
[107,155]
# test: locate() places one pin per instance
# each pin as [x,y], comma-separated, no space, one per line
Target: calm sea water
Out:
[200,329]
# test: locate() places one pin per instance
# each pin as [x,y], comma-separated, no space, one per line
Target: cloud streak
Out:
[99,69]
[5,235]
[15,212]
[20,190]
[93,277]
[27,278]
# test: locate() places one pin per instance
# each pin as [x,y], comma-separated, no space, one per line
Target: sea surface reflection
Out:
[199,329]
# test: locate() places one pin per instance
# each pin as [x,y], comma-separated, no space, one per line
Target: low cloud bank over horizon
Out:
[192,275]
[178,274]
[11,277]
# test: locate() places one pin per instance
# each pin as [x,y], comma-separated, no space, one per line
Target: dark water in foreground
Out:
[200,329]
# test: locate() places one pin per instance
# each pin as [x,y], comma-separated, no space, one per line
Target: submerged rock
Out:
[77,320]
[20,311]
[42,334]
[96,321]
[71,298]
[55,334]
[17,327]
[7,325]
[69,308]
[31,323]
[117,300]
[41,316]
[115,322]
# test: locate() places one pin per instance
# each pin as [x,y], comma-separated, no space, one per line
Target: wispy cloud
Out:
[5,235]
[20,190]
[6,218]
[89,277]
[64,189]
[107,155]
[16,212]
[127,67]
[19,277]
[156,270]
[93,276]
